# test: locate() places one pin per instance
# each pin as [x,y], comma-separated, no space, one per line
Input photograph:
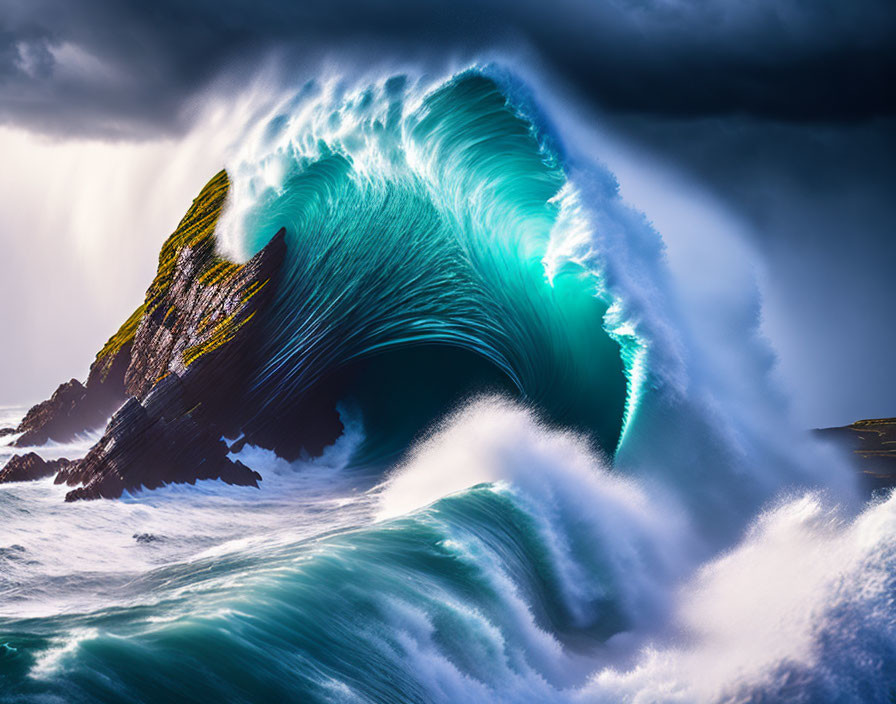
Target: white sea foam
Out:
[734,547]
[636,538]
[89,550]
[800,609]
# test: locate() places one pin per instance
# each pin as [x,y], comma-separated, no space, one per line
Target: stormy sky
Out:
[780,111]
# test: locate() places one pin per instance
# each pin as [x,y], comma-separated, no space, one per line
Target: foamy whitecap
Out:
[713,554]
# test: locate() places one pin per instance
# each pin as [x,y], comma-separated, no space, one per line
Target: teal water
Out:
[541,495]
[440,244]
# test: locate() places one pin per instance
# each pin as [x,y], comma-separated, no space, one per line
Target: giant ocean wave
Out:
[423,236]
[545,489]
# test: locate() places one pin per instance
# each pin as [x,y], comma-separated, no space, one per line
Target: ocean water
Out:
[551,487]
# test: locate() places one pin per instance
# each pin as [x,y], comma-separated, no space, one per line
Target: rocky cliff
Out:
[174,368]
[872,444]
[75,407]
[23,468]
[174,376]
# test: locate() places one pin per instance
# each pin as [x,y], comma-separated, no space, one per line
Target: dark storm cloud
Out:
[120,68]
[785,109]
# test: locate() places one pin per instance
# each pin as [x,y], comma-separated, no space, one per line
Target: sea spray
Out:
[800,611]
[441,245]
[620,522]
[547,578]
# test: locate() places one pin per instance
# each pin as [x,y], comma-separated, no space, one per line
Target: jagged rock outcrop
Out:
[872,444]
[188,363]
[179,363]
[202,336]
[199,303]
[28,467]
[75,407]
[152,444]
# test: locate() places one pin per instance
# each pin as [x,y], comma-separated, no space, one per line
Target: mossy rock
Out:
[196,229]
[125,335]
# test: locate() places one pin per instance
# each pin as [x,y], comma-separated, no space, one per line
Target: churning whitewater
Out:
[548,489]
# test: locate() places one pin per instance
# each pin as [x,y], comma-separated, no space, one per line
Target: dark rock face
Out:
[186,366]
[202,335]
[178,365]
[75,407]
[148,446]
[873,447]
[24,468]
[56,418]
[305,428]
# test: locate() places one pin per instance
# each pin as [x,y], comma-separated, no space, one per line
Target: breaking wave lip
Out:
[502,253]
[668,538]
[425,235]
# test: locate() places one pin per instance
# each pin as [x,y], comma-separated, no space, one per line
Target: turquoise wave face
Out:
[417,268]
[436,250]
[342,621]
[552,579]
[494,593]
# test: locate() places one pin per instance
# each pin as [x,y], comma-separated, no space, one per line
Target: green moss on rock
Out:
[196,229]
[125,335]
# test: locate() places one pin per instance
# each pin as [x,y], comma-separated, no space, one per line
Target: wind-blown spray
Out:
[588,511]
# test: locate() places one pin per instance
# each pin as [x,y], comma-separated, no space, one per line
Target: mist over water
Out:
[553,485]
